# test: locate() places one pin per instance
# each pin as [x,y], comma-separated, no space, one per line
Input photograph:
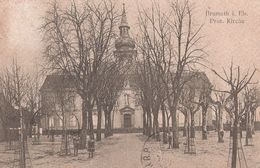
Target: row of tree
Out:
[169,44]
[79,43]
[170,49]
[20,96]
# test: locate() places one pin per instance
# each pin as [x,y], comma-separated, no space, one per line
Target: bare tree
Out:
[236,83]
[251,103]
[78,39]
[64,100]
[205,100]
[146,91]
[112,76]
[169,43]
[154,45]
[186,53]
[9,117]
[217,105]
[189,106]
[33,104]
[254,105]
[14,84]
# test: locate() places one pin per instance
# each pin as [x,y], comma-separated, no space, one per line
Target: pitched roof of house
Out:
[58,81]
[197,79]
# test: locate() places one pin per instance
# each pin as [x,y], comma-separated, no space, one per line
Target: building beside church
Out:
[9,117]
[127,114]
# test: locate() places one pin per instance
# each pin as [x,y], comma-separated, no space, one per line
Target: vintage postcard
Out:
[129,83]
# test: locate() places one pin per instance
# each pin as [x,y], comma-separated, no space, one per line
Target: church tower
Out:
[128,115]
[125,45]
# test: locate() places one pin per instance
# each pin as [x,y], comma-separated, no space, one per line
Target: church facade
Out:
[127,114]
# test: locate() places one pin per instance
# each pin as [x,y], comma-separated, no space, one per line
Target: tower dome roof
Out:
[124,41]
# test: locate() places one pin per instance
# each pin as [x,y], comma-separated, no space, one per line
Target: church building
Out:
[127,114]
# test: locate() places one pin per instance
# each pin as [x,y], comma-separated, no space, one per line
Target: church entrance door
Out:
[127,120]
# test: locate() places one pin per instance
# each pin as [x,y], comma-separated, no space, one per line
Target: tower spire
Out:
[124,42]
[124,27]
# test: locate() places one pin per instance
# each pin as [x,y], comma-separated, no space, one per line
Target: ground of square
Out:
[125,150]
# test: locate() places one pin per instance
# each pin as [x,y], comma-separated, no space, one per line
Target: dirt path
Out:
[126,151]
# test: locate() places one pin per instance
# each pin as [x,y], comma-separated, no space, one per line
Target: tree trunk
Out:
[64,133]
[83,133]
[217,121]
[248,127]
[106,123]
[253,121]
[192,125]
[38,131]
[156,126]
[144,123]
[231,126]
[149,126]
[99,111]
[153,127]
[90,122]
[164,124]
[235,134]
[175,131]
[204,123]
[220,126]
[29,126]
[110,131]
[185,125]
[234,145]
[240,129]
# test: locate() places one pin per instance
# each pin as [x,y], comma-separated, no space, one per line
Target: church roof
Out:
[197,80]
[124,42]
[58,81]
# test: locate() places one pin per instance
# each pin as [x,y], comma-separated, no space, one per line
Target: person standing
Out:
[76,145]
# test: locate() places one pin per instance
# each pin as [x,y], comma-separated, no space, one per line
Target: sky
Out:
[20,36]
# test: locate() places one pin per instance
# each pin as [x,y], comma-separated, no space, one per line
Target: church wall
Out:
[117,119]
[257,117]
[138,118]
[51,111]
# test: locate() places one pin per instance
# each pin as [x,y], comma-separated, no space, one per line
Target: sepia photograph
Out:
[129,84]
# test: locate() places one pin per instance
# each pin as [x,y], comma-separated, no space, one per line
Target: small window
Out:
[60,121]
[126,96]
[73,121]
[51,122]
[117,104]
[137,100]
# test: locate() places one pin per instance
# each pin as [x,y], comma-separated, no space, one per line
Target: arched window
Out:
[61,121]
[73,121]
[137,100]
[51,122]
[126,96]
